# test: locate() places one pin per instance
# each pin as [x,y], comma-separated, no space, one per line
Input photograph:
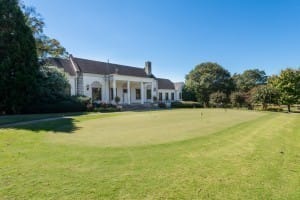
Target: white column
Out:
[152,91]
[106,89]
[114,90]
[142,93]
[128,92]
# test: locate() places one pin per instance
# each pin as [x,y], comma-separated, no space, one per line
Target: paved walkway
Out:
[34,121]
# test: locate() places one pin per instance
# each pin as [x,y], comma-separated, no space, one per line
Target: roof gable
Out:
[64,64]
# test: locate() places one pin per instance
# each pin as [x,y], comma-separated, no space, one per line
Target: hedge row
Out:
[107,109]
[60,107]
[186,104]
[72,104]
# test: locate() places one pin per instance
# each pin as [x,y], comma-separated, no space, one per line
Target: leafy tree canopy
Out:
[207,78]
[46,46]
[188,94]
[238,98]
[265,95]
[249,79]
[218,99]
[53,85]
[288,85]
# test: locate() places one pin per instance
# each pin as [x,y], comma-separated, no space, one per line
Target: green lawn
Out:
[171,154]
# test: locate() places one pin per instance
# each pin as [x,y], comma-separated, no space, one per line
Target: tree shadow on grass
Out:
[63,125]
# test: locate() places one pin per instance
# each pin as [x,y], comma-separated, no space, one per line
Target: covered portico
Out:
[131,90]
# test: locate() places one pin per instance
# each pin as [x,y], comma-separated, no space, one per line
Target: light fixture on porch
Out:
[87,87]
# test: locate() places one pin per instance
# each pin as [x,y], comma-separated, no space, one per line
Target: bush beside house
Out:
[71,104]
[186,104]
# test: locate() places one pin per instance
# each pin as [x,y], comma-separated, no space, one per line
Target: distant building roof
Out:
[165,84]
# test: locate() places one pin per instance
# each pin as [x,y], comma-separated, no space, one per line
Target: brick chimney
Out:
[148,68]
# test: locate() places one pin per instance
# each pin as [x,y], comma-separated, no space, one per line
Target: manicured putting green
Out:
[142,128]
[170,154]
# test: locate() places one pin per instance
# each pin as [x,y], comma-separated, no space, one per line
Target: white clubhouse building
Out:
[103,81]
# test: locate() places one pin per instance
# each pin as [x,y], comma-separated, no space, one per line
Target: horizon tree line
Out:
[213,86]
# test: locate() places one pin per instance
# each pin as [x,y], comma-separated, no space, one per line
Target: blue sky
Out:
[176,35]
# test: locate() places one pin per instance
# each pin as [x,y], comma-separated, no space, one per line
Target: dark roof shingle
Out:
[165,84]
[97,67]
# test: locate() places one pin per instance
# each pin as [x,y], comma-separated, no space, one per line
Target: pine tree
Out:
[18,59]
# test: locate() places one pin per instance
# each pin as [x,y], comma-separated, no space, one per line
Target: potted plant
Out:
[117,100]
[155,101]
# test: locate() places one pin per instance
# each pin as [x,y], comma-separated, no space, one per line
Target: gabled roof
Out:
[89,66]
[165,84]
[64,64]
[74,65]
[97,67]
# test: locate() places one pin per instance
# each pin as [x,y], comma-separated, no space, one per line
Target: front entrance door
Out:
[125,99]
[125,95]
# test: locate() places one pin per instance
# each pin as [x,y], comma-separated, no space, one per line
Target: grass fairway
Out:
[171,154]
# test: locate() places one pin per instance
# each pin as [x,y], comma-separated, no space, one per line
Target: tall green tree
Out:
[18,59]
[218,99]
[288,84]
[238,99]
[46,46]
[264,94]
[188,94]
[249,79]
[207,78]
[53,85]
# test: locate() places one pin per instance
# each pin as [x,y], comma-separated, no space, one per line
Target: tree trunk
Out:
[289,107]
[265,106]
